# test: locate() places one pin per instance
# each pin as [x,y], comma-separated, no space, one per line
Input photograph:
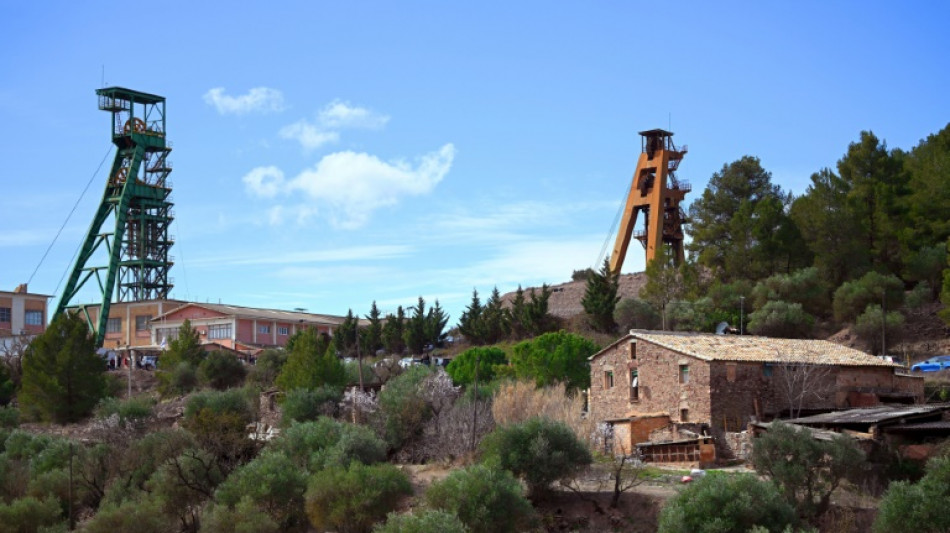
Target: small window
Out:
[684,374]
[142,322]
[767,370]
[263,329]
[114,325]
[684,415]
[609,379]
[730,372]
[283,331]
[634,385]
[5,314]
[633,351]
[33,318]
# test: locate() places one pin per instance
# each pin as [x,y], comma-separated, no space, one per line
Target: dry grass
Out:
[517,401]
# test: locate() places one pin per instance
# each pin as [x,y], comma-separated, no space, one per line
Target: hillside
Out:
[566,298]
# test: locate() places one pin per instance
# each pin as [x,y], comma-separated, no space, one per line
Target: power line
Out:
[73,210]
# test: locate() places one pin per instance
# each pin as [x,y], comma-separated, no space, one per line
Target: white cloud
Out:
[339,114]
[259,99]
[352,185]
[309,136]
[265,182]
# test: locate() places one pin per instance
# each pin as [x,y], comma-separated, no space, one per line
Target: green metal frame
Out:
[138,197]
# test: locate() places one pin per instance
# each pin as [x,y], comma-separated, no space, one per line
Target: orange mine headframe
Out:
[657,193]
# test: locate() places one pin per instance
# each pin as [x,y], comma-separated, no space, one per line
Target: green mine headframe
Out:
[137,200]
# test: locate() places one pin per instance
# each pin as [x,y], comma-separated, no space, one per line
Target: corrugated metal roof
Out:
[750,348]
[870,415]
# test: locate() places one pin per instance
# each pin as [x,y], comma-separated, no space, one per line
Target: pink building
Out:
[240,328]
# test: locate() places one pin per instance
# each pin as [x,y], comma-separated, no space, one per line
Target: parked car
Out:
[933,364]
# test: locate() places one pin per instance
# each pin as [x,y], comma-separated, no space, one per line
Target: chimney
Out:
[20,289]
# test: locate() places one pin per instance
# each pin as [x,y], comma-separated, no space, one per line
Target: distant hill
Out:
[566,298]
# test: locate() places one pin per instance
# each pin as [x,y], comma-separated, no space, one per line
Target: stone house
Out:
[669,384]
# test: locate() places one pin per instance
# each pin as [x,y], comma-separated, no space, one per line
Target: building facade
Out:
[22,317]
[716,384]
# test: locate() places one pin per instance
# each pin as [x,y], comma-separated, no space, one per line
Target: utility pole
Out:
[130,363]
[884,321]
[741,315]
[475,404]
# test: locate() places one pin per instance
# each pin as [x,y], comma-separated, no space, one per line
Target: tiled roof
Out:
[265,314]
[750,348]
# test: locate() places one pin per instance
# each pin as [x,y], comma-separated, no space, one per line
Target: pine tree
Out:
[537,320]
[600,299]
[347,334]
[470,325]
[63,378]
[372,338]
[496,319]
[311,364]
[518,315]
[415,334]
[393,332]
[436,320]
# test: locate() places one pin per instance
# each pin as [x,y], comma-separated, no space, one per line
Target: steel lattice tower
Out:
[137,201]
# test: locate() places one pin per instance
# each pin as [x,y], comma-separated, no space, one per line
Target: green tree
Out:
[29,514]
[268,366]
[415,334]
[186,347]
[600,298]
[462,367]
[853,297]
[918,507]
[805,469]
[634,313]
[726,218]
[324,442]
[436,319]
[873,322]
[485,499]
[536,318]
[394,332]
[927,202]
[945,292]
[402,407]
[63,378]
[7,385]
[276,486]
[373,333]
[352,500]
[311,365]
[471,323]
[554,357]
[496,320]
[347,335]
[664,283]
[301,405]
[243,517]
[727,504]
[804,286]
[927,265]
[539,451]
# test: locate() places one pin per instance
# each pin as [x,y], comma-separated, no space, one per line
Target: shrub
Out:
[806,470]
[919,296]
[485,499]
[267,367]
[402,408]
[803,287]
[462,367]
[314,445]
[9,417]
[141,516]
[218,420]
[539,451]
[726,504]
[222,370]
[310,364]
[554,357]
[869,325]
[180,380]
[920,507]
[132,410]
[302,405]
[245,517]
[273,483]
[634,313]
[29,514]
[427,521]
[853,297]
[7,384]
[782,319]
[353,499]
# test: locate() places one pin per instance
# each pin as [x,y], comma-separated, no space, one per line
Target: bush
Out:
[267,367]
[920,507]
[428,521]
[310,364]
[462,367]
[7,384]
[485,499]
[869,325]
[352,499]
[515,402]
[634,313]
[132,410]
[806,470]
[782,319]
[538,451]
[141,516]
[180,380]
[222,370]
[853,297]
[554,357]
[303,405]
[245,517]
[402,408]
[273,483]
[29,514]
[218,420]
[803,287]
[324,442]
[9,417]
[727,504]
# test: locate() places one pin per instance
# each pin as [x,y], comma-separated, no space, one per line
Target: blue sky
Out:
[330,154]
